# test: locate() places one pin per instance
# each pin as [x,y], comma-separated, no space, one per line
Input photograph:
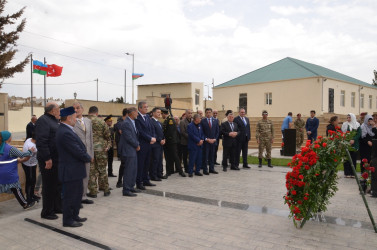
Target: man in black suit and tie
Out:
[156,170]
[30,127]
[229,130]
[72,158]
[211,132]
[128,152]
[146,138]
[243,138]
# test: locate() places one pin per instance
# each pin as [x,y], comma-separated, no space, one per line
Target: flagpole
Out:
[125,85]
[31,85]
[133,65]
[44,84]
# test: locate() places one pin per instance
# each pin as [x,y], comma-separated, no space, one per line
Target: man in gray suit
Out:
[130,145]
[83,128]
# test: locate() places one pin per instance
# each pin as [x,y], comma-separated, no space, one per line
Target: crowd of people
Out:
[75,153]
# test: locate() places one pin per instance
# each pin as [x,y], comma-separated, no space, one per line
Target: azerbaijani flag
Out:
[135,76]
[39,67]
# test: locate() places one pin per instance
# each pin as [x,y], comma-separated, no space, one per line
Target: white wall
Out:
[17,120]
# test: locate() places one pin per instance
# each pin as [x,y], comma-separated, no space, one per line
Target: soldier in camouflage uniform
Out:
[101,144]
[265,137]
[300,130]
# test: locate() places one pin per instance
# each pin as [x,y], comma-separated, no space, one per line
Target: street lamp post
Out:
[133,64]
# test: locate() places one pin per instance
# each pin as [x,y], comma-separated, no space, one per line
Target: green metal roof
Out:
[287,69]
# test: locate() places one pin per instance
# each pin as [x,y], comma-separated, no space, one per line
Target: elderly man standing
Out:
[30,127]
[45,130]
[146,138]
[244,137]
[83,128]
[265,138]
[184,137]
[195,144]
[101,144]
[230,131]
[72,159]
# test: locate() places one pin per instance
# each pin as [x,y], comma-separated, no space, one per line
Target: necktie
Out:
[244,120]
[82,124]
[209,123]
[231,126]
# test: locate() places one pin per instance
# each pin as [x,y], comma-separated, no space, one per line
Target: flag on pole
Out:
[135,76]
[54,70]
[39,67]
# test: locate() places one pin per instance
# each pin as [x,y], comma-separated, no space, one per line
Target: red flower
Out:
[306,198]
[324,144]
[316,146]
[306,194]
[320,137]
[282,144]
[299,202]
[307,167]
[294,192]
[372,169]
[335,160]
[316,174]
[301,176]
[365,160]
[365,175]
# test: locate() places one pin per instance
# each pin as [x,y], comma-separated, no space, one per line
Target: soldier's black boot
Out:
[260,163]
[269,163]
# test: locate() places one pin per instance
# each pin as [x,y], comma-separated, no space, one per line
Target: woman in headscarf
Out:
[366,140]
[351,125]
[9,159]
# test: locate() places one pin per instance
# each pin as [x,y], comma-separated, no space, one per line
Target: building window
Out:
[370,102]
[342,98]
[197,95]
[268,97]
[362,101]
[353,94]
[243,101]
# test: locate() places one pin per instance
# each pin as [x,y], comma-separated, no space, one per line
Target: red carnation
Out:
[365,175]
[335,160]
[301,176]
[372,169]
[306,194]
[365,160]
[324,144]
[299,202]
[316,146]
[294,192]
[307,167]
[306,198]
[316,174]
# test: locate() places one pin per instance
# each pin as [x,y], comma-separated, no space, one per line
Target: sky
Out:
[185,41]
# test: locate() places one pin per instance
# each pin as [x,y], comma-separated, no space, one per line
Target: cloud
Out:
[197,3]
[289,10]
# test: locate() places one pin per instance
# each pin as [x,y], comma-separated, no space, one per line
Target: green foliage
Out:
[8,42]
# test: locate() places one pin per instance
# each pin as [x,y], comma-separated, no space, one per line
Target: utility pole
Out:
[31,71]
[97,88]
[44,84]
[125,85]
[133,68]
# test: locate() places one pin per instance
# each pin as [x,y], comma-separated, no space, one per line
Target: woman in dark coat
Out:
[366,140]
[333,123]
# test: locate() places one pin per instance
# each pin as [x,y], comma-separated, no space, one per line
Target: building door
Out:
[331,100]
[243,102]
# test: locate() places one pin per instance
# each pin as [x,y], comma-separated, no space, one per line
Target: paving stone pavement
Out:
[155,222]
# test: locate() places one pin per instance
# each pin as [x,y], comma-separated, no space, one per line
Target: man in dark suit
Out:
[146,138]
[243,138]
[72,158]
[30,127]
[117,130]
[156,167]
[195,144]
[229,130]
[215,113]
[45,131]
[128,152]
[211,132]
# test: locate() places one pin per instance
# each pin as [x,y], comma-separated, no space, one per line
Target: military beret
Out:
[67,111]
[108,118]
[164,110]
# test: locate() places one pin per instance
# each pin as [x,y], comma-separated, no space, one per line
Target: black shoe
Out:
[112,175]
[141,187]
[50,217]
[29,205]
[107,193]
[155,179]
[87,201]
[164,177]
[101,189]
[129,194]
[135,191]
[79,219]
[199,174]
[213,172]
[224,169]
[206,173]
[59,211]
[216,163]
[260,162]
[245,166]
[91,195]
[182,174]
[269,163]
[234,168]
[73,224]
[119,185]
[190,175]
[149,184]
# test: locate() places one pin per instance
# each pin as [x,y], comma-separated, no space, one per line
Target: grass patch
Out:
[284,162]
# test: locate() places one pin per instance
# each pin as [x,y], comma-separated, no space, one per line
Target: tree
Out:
[8,43]
[119,100]
[375,78]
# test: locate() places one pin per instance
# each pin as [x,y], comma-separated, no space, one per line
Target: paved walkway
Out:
[233,210]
